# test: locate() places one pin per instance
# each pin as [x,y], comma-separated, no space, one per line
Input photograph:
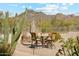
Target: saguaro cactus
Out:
[9,47]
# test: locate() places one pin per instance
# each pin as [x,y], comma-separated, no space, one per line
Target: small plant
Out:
[70,47]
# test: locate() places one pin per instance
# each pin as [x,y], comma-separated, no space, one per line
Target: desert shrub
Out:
[70,47]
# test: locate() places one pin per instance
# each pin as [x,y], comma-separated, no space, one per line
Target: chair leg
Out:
[49,44]
[32,45]
[36,43]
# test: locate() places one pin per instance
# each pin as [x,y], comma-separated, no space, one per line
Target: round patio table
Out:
[44,37]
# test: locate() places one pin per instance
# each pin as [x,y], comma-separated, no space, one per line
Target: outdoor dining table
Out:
[43,38]
[40,39]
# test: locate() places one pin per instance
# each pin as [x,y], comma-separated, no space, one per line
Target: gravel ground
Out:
[22,50]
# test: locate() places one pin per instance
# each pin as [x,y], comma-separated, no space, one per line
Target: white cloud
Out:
[71,3]
[64,4]
[15,5]
[67,4]
[64,8]
[48,8]
[54,8]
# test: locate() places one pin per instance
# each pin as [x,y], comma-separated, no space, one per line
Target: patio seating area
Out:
[44,40]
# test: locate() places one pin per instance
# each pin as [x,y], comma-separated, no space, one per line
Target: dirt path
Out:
[25,51]
[22,50]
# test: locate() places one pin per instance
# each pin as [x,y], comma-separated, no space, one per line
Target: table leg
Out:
[36,43]
[42,41]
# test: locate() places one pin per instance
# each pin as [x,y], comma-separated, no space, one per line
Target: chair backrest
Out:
[33,36]
[55,36]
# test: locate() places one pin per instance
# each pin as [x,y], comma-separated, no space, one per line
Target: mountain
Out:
[57,21]
[41,16]
[31,14]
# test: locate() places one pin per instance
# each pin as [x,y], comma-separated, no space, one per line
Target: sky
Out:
[47,8]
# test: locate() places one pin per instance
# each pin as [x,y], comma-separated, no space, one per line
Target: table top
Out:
[43,34]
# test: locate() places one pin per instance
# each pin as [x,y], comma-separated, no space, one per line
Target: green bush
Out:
[70,47]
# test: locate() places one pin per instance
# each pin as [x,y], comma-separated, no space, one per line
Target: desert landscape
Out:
[35,29]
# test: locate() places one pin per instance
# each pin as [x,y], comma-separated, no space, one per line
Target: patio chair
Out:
[55,36]
[49,42]
[34,40]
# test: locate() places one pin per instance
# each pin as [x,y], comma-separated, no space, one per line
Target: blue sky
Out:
[47,8]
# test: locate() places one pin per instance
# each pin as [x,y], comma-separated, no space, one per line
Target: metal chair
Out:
[34,40]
